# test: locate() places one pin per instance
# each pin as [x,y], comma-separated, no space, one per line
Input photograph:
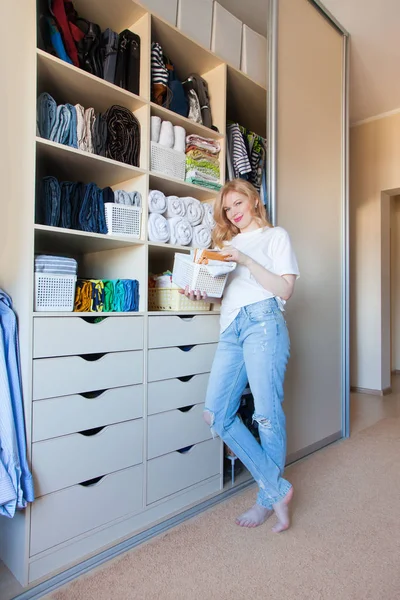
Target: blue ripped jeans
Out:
[255,349]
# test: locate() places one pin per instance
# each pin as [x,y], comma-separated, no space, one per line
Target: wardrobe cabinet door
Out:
[180,331]
[76,374]
[63,515]
[54,417]
[173,472]
[175,393]
[178,362]
[176,429]
[63,336]
[70,459]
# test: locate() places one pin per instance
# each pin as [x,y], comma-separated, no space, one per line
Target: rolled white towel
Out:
[201,236]
[181,231]
[155,129]
[157,202]
[208,218]
[176,207]
[167,138]
[158,228]
[194,211]
[180,139]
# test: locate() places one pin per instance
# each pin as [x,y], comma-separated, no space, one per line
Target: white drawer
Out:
[175,393]
[75,374]
[67,414]
[65,461]
[65,514]
[168,363]
[63,336]
[173,472]
[167,331]
[175,429]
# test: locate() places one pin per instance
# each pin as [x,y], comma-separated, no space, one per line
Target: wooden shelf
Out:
[75,165]
[170,247]
[187,56]
[177,187]
[59,239]
[190,126]
[179,312]
[86,314]
[121,15]
[67,83]
[246,102]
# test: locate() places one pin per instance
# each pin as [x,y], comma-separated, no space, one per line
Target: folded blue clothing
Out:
[128,198]
[61,127]
[55,265]
[50,202]
[91,215]
[73,127]
[46,114]
[131,293]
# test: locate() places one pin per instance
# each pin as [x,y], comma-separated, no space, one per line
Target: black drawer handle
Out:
[185,378]
[186,348]
[185,450]
[91,432]
[93,357]
[91,482]
[186,318]
[93,320]
[185,409]
[92,395]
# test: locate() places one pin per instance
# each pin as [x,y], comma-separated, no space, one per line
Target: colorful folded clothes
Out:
[110,295]
[55,265]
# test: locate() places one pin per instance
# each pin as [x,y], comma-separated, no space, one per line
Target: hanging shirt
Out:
[16,484]
[271,248]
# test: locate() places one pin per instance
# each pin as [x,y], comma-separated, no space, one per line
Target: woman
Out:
[253,346]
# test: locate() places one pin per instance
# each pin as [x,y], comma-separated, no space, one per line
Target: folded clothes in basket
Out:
[55,265]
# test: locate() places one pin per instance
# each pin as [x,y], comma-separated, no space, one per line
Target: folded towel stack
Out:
[109,295]
[55,265]
[202,162]
[114,134]
[168,135]
[179,221]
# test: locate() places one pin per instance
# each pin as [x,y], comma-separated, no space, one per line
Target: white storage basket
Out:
[54,292]
[186,272]
[123,220]
[167,161]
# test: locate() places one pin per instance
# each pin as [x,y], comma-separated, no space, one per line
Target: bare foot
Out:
[281,509]
[254,517]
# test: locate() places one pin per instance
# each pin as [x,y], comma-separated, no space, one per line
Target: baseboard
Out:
[295,456]
[384,392]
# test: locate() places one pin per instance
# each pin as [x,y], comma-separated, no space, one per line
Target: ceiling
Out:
[374,27]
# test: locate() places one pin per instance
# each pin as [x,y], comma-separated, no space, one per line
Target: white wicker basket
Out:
[167,161]
[123,220]
[54,292]
[186,272]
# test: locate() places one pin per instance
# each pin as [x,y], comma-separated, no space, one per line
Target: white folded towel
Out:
[201,236]
[208,218]
[158,228]
[176,207]
[157,202]
[194,211]
[167,135]
[181,231]
[155,129]
[180,139]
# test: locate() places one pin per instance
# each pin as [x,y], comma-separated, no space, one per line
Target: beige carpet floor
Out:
[344,543]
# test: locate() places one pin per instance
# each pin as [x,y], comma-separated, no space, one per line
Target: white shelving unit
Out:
[124,353]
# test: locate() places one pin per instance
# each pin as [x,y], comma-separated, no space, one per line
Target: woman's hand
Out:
[193,294]
[233,254]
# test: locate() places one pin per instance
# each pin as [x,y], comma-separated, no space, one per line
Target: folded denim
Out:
[60,130]
[50,202]
[73,136]
[91,215]
[67,192]
[46,114]
[108,195]
[123,139]
[99,135]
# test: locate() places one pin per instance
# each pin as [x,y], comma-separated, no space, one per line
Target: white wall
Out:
[395,282]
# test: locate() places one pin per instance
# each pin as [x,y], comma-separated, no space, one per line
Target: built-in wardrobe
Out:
[136,456]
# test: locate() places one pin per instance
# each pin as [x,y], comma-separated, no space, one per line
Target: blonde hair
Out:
[224,229]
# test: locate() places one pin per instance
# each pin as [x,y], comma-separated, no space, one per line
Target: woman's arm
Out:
[278,285]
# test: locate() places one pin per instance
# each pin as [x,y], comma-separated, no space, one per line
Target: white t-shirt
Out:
[271,248]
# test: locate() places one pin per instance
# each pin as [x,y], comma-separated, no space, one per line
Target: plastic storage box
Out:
[167,161]
[54,292]
[186,272]
[123,220]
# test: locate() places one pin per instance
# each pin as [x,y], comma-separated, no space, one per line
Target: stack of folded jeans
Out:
[115,134]
[109,295]
[55,265]
[72,205]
